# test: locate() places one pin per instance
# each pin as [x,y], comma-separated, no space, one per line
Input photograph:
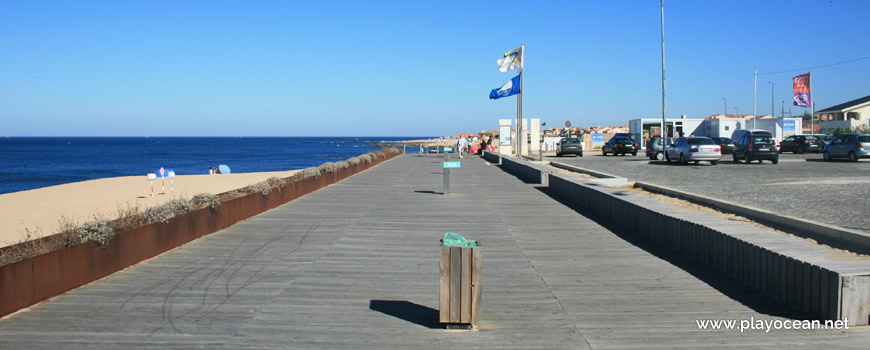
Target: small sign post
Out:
[447,151]
[171,174]
[151,177]
[447,167]
[162,178]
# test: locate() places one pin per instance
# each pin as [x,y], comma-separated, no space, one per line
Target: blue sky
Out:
[403,68]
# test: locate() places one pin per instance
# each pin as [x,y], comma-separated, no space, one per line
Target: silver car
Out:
[852,146]
[693,149]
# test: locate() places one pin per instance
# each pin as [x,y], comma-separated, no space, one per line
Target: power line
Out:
[822,66]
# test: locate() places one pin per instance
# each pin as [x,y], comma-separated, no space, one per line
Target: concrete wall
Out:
[492,157]
[794,273]
[529,172]
[800,274]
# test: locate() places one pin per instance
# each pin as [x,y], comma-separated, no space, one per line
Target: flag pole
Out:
[520,105]
[664,120]
[812,106]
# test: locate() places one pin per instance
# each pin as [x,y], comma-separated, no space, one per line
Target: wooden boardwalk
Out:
[356,265]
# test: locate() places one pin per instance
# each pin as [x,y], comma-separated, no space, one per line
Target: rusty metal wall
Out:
[30,281]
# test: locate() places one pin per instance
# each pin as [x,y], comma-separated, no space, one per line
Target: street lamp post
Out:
[771,98]
[726,105]
[664,123]
[736,112]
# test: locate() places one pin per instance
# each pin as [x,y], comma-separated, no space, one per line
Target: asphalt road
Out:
[801,185]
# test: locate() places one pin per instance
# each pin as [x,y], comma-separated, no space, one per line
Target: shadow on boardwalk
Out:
[408,311]
[724,284]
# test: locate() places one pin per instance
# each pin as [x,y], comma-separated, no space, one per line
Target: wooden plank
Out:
[835,290]
[444,290]
[783,278]
[465,287]
[807,287]
[763,270]
[815,293]
[774,290]
[455,281]
[476,284]
[798,285]
[790,282]
[824,292]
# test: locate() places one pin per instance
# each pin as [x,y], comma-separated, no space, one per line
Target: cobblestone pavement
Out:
[801,185]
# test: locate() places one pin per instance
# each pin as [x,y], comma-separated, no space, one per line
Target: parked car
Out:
[655,148]
[738,134]
[852,146]
[801,144]
[826,139]
[755,145]
[693,149]
[726,144]
[569,145]
[620,145]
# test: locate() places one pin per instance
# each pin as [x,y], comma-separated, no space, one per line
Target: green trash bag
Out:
[456,240]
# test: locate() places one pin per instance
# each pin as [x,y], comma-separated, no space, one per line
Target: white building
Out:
[847,115]
[780,128]
[645,128]
[721,127]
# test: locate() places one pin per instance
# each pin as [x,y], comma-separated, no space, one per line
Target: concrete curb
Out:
[575,169]
[602,178]
[811,229]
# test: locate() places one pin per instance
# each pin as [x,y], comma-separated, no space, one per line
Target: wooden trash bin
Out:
[460,286]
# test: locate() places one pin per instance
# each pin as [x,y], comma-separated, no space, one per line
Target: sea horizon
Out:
[32,162]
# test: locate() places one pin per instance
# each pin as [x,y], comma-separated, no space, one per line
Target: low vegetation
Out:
[100,231]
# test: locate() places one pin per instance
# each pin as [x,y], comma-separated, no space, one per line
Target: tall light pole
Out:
[736,112]
[755,100]
[664,133]
[726,105]
[771,98]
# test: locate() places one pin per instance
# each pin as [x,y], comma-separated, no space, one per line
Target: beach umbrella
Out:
[224,169]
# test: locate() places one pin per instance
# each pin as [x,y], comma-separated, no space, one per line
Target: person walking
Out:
[460,145]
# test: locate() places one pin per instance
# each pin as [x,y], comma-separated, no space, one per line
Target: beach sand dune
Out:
[40,211]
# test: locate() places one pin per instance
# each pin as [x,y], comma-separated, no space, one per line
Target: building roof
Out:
[846,105]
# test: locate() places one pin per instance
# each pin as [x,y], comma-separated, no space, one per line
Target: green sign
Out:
[451,165]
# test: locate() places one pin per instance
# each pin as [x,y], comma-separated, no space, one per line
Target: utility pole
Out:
[771,98]
[755,100]
[664,122]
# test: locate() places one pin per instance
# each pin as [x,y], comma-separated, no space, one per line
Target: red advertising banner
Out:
[802,90]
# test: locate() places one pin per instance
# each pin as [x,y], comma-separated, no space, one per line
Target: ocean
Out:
[34,162]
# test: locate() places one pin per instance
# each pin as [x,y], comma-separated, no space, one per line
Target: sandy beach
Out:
[40,211]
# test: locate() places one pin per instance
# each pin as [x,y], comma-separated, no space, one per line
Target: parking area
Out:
[801,185]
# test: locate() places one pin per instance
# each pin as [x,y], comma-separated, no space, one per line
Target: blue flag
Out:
[512,87]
